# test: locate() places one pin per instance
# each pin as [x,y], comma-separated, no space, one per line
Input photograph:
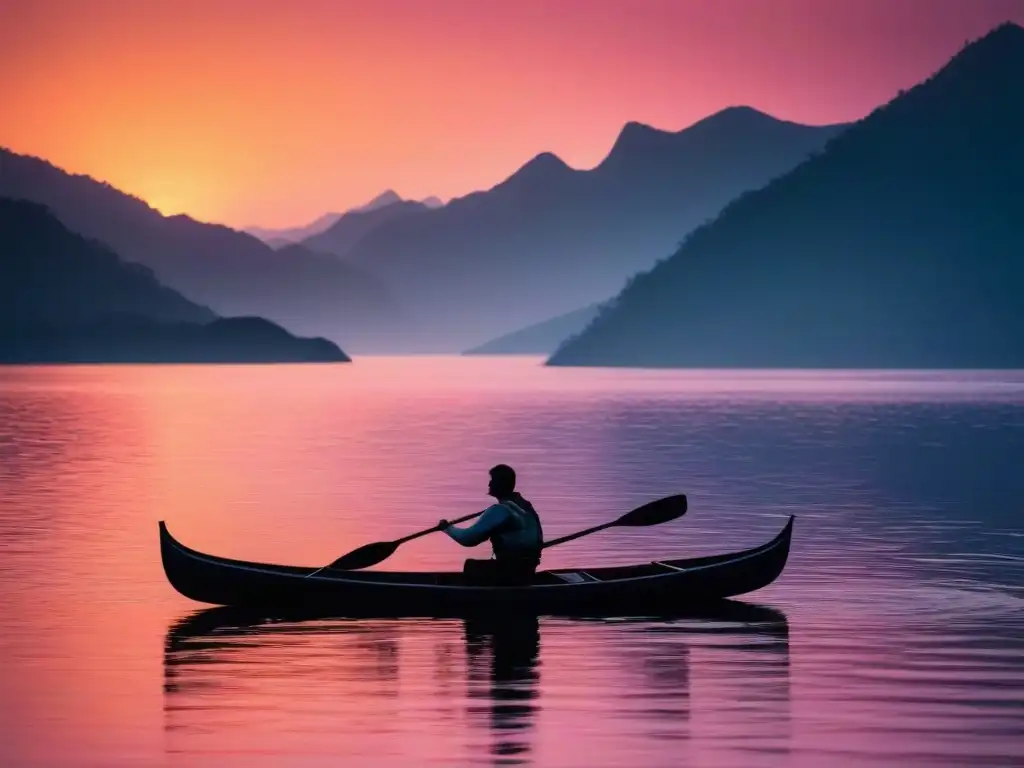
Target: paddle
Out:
[652,513]
[371,554]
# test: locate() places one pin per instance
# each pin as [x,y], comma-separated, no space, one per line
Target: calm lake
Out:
[894,637]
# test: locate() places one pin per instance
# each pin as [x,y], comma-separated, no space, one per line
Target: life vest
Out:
[521,535]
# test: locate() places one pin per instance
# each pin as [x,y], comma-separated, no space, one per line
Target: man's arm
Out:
[479,532]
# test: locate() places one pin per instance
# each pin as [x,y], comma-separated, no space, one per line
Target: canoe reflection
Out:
[503,681]
[224,670]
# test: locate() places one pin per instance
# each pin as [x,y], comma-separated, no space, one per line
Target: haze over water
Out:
[894,637]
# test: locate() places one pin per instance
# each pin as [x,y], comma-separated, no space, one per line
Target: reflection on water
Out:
[502,681]
[902,641]
[217,664]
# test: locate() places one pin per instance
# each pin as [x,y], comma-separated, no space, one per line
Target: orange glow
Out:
[260,112]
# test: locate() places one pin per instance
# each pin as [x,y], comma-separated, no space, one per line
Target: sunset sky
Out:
[270,113]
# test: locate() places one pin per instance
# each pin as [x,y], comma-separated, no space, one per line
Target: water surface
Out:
[895,635]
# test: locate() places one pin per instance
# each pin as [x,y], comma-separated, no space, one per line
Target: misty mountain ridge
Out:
[385,198]
[65,298]
[51,274]
[231,272]
[550,238]
[280,237]
[343,234]
[901,244]
[277,238]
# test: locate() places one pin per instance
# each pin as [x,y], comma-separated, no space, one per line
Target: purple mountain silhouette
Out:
[900,245]
[550,239]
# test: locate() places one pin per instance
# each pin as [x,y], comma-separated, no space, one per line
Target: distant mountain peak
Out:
[541,167]
[344,233]
[1000,48]
[1008,30]
[278,237]
[639,139]
[738,118]
[741,112]
[635,132]
[385,198]
[546,161]
[640,147]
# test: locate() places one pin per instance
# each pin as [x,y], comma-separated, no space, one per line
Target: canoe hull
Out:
[650,587]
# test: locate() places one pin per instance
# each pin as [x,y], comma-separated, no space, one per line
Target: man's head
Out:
[503,481]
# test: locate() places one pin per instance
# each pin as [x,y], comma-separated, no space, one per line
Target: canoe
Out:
[655,586]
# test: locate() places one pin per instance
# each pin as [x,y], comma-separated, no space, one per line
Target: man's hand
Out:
[443,524]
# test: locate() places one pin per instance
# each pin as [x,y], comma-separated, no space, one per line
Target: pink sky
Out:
[266,112]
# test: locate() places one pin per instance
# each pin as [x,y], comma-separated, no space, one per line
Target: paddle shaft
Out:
[578,534]
[412,536]
[652,513]
[388,548]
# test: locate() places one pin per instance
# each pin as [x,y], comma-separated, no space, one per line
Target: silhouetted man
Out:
[513,528]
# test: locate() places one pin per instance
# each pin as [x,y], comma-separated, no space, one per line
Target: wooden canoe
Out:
[652,587]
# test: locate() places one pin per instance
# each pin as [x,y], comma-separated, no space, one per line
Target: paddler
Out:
[513,528]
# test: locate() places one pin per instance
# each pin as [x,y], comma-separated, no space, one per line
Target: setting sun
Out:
[174,195]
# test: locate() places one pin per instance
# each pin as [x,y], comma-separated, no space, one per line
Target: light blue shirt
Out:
[525,536]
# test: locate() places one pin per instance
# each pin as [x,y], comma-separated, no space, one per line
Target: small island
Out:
[133,339]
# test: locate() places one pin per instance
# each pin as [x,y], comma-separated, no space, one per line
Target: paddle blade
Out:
[365,556]
[655,512]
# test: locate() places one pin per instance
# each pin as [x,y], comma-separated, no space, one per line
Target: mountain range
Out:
[64,298]
[342,235]
[550,239]
[901,244]
[407,278]
[231,272]
[288,235]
